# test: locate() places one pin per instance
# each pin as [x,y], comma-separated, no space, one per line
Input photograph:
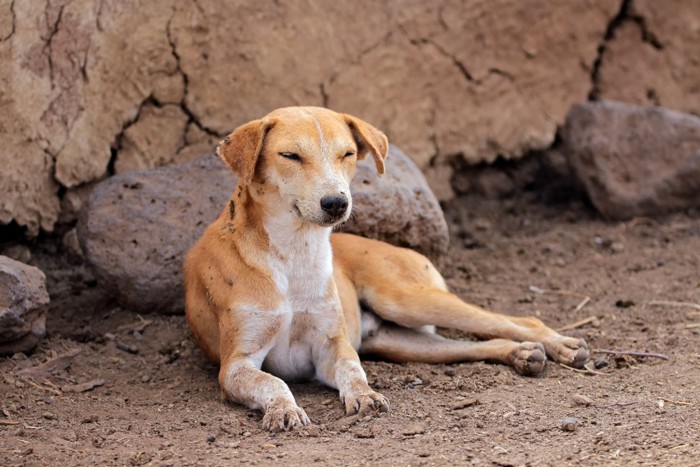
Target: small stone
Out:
[211,438]
[312,431]
[49,416]
[268,446]
[580,399]
[569,424]
[617,247]
[463,404]
[365,433]
[132,349]
[482,224]
[600,363]
[414,429]
[450,372]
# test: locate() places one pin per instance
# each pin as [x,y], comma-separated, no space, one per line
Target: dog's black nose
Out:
[334,205]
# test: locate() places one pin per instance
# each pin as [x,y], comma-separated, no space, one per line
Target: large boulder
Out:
[634,161]
[138,226]
[23,304]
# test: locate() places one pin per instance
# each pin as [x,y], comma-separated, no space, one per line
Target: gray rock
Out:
[138,226]
[397,207]
[23,304]
[569,424]
[632,160]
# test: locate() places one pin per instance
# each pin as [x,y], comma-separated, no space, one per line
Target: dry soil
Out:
[160,402]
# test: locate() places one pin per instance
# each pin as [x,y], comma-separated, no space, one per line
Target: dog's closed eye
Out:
[348,154]
[291,156]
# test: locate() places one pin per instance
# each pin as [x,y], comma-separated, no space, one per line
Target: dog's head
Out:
[307,155]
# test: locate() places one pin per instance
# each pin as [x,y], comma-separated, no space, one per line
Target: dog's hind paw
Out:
[365,402]
[284,416]
[567,350]
[529,358]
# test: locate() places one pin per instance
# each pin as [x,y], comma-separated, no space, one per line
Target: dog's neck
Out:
[261,220]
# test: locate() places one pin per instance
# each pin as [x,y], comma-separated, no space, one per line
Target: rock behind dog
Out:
[138,226]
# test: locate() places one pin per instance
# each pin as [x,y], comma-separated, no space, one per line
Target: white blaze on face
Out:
[323,144]
[334,182]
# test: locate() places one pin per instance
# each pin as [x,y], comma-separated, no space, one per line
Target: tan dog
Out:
[269,287]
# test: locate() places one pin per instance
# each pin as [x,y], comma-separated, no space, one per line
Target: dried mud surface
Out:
[160,403]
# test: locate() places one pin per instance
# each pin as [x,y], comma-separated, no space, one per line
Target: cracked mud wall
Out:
[91,88]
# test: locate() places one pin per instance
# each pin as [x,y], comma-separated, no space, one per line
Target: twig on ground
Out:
[82,387]
[9,422]
[43,388]
[583,303]
[670,401]
[616,404]
[692,326]
[578,324]
[673,303]
[586,371]
[55,364]
[680,446]
[631,353]
[138,326]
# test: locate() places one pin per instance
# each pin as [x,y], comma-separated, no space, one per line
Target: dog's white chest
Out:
[302,274]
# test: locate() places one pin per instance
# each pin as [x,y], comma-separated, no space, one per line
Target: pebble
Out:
[580,399]
[211,438]
[464,404]
[415,429]
[600,363]
[132,349]
[269,446]
[450,372]
[49,416]
[569,424]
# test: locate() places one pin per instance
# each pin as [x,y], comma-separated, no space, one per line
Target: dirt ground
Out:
[160,401]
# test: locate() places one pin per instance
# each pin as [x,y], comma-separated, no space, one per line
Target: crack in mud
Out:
[116,146]
[191,116]
[624,14]
[14,22]
[49,41]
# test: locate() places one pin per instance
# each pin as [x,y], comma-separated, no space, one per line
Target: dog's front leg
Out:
[243,350]
[339,366]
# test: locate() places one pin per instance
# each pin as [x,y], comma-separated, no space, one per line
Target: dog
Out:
[272,295]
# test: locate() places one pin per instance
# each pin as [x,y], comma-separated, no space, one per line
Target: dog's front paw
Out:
[365,402]
[284,415]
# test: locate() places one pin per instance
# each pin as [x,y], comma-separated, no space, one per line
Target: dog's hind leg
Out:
[400,344]
[403,287]
[418,305]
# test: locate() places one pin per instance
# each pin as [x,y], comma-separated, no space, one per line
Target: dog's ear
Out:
[368,139]
[241,149]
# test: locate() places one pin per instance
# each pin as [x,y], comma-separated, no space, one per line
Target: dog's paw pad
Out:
[366,402]
[529,358]
[284,416]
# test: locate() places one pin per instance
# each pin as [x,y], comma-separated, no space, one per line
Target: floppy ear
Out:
[368,139]
[241,149]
